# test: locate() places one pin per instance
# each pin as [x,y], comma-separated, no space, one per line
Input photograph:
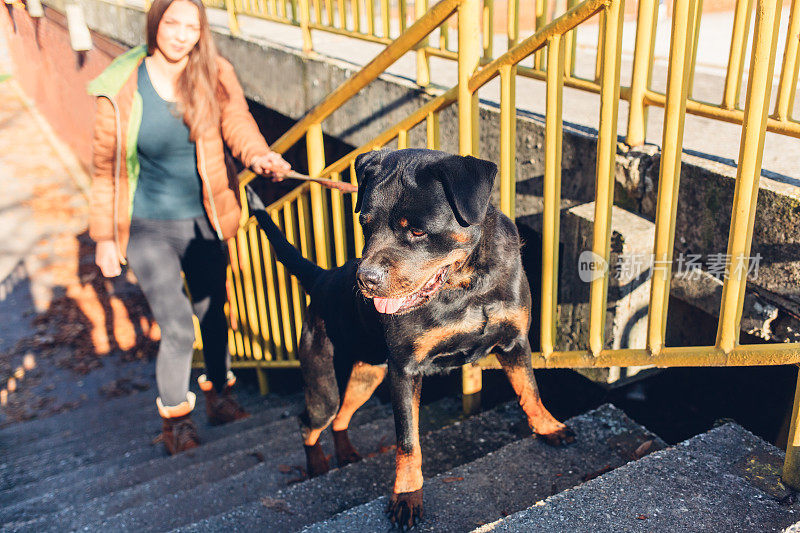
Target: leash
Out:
[347,188]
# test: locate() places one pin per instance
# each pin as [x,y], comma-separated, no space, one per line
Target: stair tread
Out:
[724,480]
[23,484]
[138,410]
[30,430]
[140,426]
[511,478]
[281,448]
[257,486]
[317,499]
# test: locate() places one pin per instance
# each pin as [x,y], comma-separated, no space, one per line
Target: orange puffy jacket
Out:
[116,164]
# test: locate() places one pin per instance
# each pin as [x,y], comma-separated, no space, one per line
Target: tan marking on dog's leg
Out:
[405,503]
[408,468]
[539,418]
[408,463]
[364,379]
[311,436]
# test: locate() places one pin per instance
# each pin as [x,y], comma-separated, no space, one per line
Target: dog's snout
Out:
[371,278]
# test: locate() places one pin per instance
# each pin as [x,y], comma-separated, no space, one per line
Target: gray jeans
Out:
[158,251]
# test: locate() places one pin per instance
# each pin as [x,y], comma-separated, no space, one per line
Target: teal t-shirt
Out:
[169,185]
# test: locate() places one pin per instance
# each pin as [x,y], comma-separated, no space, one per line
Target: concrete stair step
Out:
[16,435]
[87,415]
[724,480]
[272,449]
[257,485]
[317,499]
[511,478]
[140,424]
[102,447]
[22,484]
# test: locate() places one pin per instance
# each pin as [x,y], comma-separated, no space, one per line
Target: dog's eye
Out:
[416,232]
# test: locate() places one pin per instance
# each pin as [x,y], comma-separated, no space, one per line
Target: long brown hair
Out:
[198,88]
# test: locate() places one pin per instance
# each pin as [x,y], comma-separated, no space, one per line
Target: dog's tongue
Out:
[388,305]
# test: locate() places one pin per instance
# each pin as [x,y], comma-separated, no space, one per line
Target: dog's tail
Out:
[305,271]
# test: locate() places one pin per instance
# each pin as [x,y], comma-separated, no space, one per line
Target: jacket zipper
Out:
[117,163]
[201,157]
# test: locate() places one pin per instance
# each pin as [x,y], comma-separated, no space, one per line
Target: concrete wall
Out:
[54,75]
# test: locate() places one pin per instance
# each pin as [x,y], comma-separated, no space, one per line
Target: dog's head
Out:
[422,213]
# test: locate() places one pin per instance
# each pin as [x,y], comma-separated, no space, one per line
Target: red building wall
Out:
[54,75]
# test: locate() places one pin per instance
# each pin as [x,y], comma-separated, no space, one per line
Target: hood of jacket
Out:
[111,80]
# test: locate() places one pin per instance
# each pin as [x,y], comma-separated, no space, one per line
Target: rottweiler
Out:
[439,285]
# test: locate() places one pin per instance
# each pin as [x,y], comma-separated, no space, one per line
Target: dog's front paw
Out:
[559,435]
[405,509]
[347,458]
[345,451]
[316,462]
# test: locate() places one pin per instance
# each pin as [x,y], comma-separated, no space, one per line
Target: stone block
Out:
[628,287]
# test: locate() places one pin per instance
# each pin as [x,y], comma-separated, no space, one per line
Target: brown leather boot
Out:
[178,432]
[221,408]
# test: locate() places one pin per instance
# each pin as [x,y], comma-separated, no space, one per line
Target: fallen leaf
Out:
[275,504]
[452,479]
[641,517]
[643,449]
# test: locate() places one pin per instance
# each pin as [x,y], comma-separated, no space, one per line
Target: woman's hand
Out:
[106,257]
[271,165]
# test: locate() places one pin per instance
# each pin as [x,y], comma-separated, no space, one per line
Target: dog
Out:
[440,284]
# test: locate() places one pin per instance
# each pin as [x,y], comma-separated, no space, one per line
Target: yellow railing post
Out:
[606,168]
[572,45]
[423,62]
[789,70]
[385,18]
[488,30]
[642,71]
[733,78]
[233,22]
[508,139]
[541,20]
[469,54]
[748,172]
[316,162]
[678,80]
[791,465]
[512,28]
[508,119]
[305,22]
[556,52]
[696,18]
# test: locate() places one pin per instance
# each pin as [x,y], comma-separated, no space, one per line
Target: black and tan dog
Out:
[440,284]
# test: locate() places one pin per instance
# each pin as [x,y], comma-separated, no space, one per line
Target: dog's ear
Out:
[367,165]
[467,183]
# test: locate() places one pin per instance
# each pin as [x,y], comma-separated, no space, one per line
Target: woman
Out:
[162,200]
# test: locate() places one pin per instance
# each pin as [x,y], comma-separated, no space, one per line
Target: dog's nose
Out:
[370,278]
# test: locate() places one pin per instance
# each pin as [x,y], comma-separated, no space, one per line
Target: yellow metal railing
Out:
[266,305]
[381,21]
